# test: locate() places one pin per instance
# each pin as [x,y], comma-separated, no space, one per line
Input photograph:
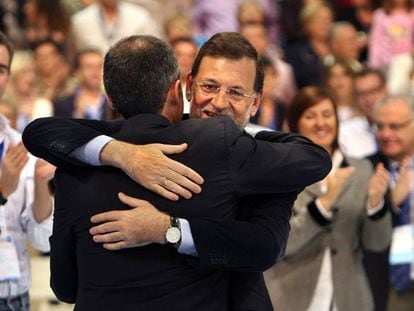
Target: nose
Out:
[219,101]
[320,121]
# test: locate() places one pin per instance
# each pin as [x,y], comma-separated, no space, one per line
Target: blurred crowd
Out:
[339,72]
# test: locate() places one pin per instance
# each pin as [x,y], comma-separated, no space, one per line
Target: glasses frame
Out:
[245,95]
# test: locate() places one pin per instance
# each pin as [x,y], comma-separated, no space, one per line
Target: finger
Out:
[115,246]
[164,192]
[182,182]
[105,228]
[175,188]
[130,201]
[188,172]
[111,237]
[106,216]
[171,149]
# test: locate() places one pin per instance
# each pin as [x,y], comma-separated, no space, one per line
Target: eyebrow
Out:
[4,67]
[211,80]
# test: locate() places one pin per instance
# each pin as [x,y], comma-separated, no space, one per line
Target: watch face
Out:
[173,235]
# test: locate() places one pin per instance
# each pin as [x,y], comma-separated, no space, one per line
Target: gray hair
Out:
[388,99]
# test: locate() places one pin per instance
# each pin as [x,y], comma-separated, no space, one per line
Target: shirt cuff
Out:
[327,214]
[373,210]
[89,153]
[187,246]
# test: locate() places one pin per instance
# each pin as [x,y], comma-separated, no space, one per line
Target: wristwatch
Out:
[173,233]
[3,199]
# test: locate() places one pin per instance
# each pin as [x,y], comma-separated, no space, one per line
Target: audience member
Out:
[26,206]
[394,121]
[356,135]
[392,32]
[178,26]
[48,19]
[52,71]
[322,268]
[360,14]
[185,50]
[306,56]
[271,113]
[400,78]
[88,99]
[339,79]
[210,17]
[103,23]
[344,45]
[22,89]
[8,109]
[258,36]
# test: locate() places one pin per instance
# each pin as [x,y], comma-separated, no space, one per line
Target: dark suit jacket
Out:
[221,242]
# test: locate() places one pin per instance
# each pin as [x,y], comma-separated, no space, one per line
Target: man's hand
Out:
[378,185]
[142,225]
[12,165]
[402,185]
[148,166]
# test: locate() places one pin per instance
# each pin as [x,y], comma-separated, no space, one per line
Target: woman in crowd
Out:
[340,82]
[306,56]
[331,221]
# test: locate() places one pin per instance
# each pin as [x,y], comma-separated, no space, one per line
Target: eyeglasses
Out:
[231,94]
[371,91]
[395,127]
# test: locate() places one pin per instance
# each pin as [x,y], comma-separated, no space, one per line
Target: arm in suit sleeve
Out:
[276,162]
[53,139]
[253,242]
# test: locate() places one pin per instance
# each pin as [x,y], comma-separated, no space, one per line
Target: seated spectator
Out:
[332,219]
[8,109]
[88,99]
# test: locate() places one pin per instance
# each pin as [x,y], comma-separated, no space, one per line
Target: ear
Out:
[109,101]
[189,87]
[256,104]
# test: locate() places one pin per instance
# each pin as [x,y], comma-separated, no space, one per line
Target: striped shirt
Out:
[19,219]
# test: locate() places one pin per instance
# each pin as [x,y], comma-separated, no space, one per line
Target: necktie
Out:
[400,274]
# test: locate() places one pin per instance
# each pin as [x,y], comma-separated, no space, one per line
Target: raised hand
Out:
[148,166]
[378,185]
[12,165]
[335,183]
[142,225]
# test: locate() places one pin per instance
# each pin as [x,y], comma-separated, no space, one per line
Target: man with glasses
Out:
[356,135]
[226,79]
[394,124]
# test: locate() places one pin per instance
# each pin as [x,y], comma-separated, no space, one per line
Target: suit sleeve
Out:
[252,242]
[276,163]
[53,139]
